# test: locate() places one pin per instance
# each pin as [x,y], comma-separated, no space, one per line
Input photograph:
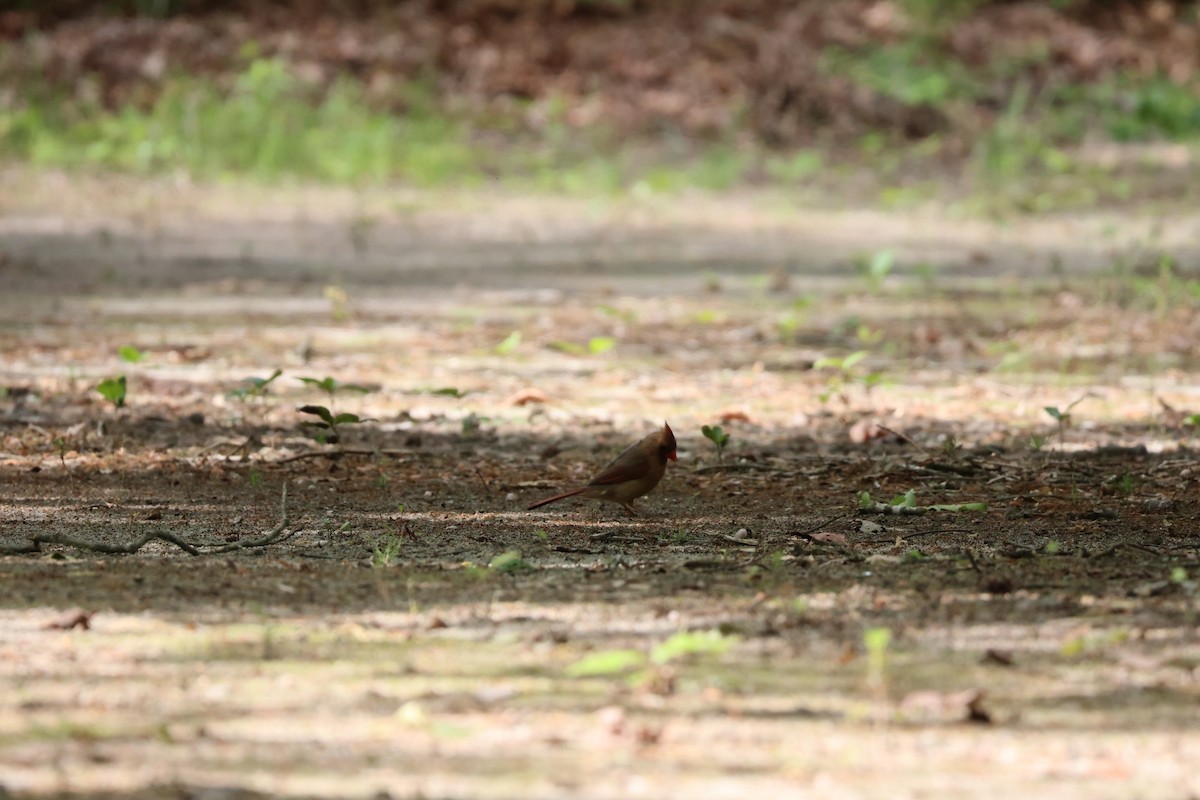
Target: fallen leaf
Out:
[734,415]
[524,397]
[833,538]
[72,618]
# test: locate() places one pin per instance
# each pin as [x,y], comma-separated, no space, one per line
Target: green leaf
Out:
[510,343]
[328,385]
[877,640]
[864,499]
[825,362]
[320,411]
[849,361]
[692,643]
[715,434]
[448,391]
[113,390]
[598,345]
[606,662]
[345,417]
[130,354]
[959,507]
[1054,412]
[568,347]
[509,561]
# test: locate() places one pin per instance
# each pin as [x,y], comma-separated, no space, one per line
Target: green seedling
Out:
[340,308]
[679,647]
[599,345]
[387,551]
[718,437]
[692,643]
[254,478]
[510,344]
[113,390]
[130,354]
[1053,546]
[1037,442]
[876,640]
[606,663]
[1063,417]
[875,268]
[509,562]
[254,387]
[329,421]
[844,373]
[448,391]
[332,386]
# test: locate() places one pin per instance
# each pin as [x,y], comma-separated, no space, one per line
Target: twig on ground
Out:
[901,436]
[34,545]
[345,451]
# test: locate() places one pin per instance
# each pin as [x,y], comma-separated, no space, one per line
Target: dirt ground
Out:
[414,632]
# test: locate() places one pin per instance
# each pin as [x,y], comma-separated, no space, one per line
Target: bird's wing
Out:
[629,466]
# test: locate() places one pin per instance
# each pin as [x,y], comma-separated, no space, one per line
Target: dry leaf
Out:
[734,415]
[72,618]
[526,396]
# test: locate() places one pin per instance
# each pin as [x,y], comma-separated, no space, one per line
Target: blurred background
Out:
[995,107]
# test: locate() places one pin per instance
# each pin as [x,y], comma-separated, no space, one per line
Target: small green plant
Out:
[876,641]
[130,354]
[113,390]
[718,437]
[845,372]
[509,562]
[509,344]
[332,386]
[1037,442]
[254,387]
[681,536]
[329,422]
[387,551]
[255,478]
[599,345]
[876,268]
[1053,546]
[678,647]
[1063,418]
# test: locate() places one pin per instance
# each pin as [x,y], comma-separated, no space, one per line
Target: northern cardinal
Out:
[630,475]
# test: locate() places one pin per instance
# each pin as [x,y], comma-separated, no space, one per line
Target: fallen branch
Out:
[34,545]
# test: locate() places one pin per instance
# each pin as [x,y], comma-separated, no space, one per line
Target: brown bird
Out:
[630,475]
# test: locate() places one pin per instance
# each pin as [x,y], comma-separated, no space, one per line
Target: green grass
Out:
[269,125]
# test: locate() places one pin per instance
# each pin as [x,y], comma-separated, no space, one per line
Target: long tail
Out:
[571,493]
